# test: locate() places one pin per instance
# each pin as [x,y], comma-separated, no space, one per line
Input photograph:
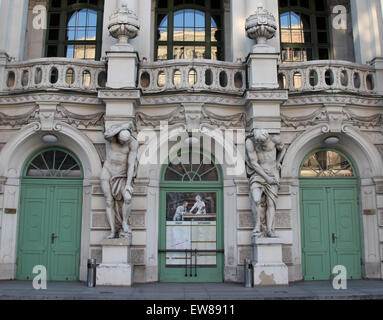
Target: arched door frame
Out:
[149,176]
[12,160]
[369,167]
[328,181]
[195,187]
[71,188]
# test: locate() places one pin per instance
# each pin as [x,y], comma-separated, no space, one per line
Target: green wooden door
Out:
[49,208]
[330,228]
[50,216]
[191,247]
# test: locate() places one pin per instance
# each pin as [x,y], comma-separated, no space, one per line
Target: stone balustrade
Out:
[56,74]
[324,75]
[196,75]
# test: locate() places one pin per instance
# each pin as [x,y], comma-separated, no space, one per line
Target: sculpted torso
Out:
[116,162]
[267,155]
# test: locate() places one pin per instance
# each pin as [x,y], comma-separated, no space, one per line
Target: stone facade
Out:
[303,116]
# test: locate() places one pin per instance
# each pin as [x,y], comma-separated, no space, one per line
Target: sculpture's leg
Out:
[126,211]
[105,186]
[270,218]
[256,195]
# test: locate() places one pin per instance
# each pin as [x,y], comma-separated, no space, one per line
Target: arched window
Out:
[189,29]
[304,30]
[53,163]
[198,168]
[326,164]
[75,29]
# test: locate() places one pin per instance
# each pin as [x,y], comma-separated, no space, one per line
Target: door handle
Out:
[334,237]
[53,237]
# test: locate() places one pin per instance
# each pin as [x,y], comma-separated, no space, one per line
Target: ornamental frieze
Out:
[339,117]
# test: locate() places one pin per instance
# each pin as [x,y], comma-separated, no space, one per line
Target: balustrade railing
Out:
[327,75]
[195,75]
[192,75]
[55,73]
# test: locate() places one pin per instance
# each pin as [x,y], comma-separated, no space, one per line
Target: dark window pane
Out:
[306,22]
[54,20]
[55,3]
[293,3]
[307,36]
[283,3]
[53,34]
[216,4]
[309,54]
[52,51]
[323,54]
[322,37]
[321,23]
[200,3]
[162,4]
[305,4]
[320,5]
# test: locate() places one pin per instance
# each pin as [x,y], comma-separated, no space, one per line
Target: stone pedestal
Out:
[116,268]
[262,64]
[122,69]
[269,268]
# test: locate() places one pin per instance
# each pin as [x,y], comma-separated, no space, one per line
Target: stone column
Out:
[264,99]
[13,22]
[3,76]
[120,97]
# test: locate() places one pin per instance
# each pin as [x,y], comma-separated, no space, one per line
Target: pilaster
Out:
[13,23]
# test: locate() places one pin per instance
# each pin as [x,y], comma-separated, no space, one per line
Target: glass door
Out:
[191,244]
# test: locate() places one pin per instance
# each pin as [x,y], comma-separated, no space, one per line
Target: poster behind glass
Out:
[191,221]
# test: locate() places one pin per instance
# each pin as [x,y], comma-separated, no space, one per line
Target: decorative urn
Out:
[123,25]
[261,26]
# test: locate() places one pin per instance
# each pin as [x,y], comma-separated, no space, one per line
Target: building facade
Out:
[179,71]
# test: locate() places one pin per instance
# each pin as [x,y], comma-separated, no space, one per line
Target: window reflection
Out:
[82,26]
[304,30]
[327,164]
[189,33]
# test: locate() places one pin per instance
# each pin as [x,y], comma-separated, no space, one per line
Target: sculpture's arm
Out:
[253,159]
[132,157]
[281,148]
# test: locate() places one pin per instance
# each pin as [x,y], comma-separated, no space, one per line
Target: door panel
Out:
[33,246]
[346,228]
[50,207]
[66,247]
[330,228]
[315,241]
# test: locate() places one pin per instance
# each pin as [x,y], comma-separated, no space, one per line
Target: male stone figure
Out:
[117,176]
[264,155]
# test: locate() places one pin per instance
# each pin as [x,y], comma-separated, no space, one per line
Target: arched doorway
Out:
[49,231]
[330,222]
[191,220]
